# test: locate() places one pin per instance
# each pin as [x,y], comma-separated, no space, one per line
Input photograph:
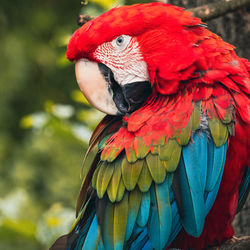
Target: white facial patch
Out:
[123,57]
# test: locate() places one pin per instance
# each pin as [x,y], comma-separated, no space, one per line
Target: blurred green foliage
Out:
[45,122]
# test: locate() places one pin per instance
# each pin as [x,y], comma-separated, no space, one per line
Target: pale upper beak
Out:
[94,87]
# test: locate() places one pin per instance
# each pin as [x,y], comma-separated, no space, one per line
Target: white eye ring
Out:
[121,42]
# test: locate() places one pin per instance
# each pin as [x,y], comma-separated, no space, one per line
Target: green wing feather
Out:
[115,180]
[196,116]
[170,154]
[145,179]
[104,175]
[156,168]
[131,155]
[120,222]
[183,136]
[121,190]
[131,173]
[219,131]
[141,149]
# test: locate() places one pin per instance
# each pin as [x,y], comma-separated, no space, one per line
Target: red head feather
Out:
[176,47]
[161,30]
[133,20]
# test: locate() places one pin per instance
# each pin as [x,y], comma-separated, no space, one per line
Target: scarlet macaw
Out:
[172,166]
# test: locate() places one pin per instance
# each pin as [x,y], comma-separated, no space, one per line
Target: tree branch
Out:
[82,19]
[241,243]
[215,9]
[219,8]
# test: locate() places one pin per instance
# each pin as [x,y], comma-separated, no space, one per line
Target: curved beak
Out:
[94,87]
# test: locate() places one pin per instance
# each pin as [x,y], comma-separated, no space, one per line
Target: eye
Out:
[119,40]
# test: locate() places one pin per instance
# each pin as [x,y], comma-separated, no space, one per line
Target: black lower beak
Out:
[129,97]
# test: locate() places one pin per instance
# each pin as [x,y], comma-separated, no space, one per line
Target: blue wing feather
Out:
[192,194]
[160,221]
[176,223]
[140,236]
[211,196]
[216,161]
[92,239]
[108,226]
[83,232]
[134,208]
[143,214]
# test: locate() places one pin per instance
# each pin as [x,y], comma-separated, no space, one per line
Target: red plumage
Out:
[186,64]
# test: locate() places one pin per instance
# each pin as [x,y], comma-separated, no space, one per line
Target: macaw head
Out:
[131,52]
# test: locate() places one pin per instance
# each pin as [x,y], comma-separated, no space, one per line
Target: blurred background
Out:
[45,122]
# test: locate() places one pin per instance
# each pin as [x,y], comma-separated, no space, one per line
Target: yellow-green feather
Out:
[120,222]
[145,179]
[93,181]
[112,154]
[142,148]
[104,153]
[196,116]
[115,180]
[228,118]
[121,190]
[170,154]
[156,168]
[219,131]
[103,178]
[154,149]
[183,136]
[161,141]
[131,172]
[131,155]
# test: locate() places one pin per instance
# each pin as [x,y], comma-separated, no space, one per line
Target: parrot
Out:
[171,168]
